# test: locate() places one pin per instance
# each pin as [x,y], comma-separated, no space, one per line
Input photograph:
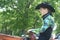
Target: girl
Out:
[48,21]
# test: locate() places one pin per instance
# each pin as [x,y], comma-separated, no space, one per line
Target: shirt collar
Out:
[44,16]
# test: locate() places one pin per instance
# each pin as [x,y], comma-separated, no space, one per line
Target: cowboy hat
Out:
[45,5]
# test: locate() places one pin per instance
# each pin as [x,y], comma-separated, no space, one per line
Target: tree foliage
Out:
[17,16]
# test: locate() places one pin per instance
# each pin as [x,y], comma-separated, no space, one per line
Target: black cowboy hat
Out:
[45,5]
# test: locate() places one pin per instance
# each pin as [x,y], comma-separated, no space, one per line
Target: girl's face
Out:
[43,11]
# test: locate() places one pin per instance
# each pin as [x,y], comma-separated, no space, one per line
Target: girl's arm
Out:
[49,21]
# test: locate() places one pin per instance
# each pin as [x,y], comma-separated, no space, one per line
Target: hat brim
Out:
[42,5]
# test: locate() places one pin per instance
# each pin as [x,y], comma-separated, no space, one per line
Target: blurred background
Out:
[18,16]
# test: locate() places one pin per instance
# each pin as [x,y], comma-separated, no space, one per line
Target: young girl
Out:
[48,21]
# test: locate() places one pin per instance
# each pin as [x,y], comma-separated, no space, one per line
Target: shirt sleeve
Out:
[37,30]
[47,23]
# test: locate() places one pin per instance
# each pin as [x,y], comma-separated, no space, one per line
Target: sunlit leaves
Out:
[17,16]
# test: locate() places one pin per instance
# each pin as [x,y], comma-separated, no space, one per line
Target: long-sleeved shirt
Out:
[48,21]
